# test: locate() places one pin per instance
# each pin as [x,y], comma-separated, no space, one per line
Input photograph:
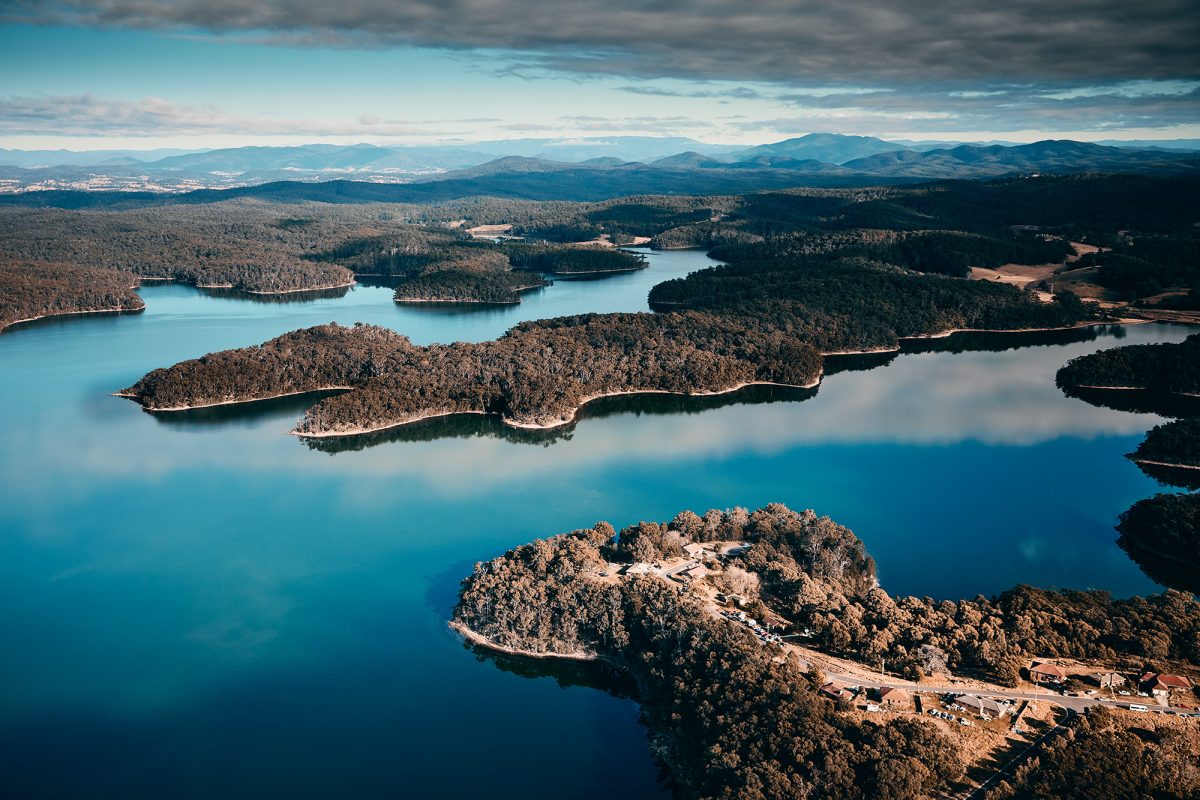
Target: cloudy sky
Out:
[198,73]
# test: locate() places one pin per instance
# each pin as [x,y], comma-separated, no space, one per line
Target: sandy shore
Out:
[1152,462]
[297,291]
[259,292]
[483,641]
[538,426]
[1133,389]
[134,310]
[594,272]
[450,301]
[359,431]
[236,402]
[1077,326]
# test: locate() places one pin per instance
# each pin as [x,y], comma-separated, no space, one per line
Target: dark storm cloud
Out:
[779,41]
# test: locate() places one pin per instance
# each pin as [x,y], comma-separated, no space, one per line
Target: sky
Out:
[91,74]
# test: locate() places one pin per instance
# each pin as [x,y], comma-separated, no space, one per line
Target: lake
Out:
[200,605]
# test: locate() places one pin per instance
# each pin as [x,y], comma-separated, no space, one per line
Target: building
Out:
[692,573]
[1045,672]
[982,706]
[837,691]
[774,621]
[894,697]
[693,550]
[637,569]
[1162,687]
[1107,680]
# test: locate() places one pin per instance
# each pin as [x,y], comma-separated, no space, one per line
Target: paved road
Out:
[1077,704]
[1073,704]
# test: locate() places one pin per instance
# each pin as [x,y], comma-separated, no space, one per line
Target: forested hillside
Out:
[292,244]
[1100,759]
[31,289]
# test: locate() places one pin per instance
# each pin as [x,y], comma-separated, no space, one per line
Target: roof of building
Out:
[1046,668]
[980,704]
[1161,681]
[894,693]
[836,690]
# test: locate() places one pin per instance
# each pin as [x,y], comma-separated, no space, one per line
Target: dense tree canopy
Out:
[34,289]
[1100,760]
[1168,368]
[727,716]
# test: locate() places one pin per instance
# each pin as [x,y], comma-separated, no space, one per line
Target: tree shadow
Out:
[467,426]
[1170,572]
[1138,401]
[1170,476]
[306,296]
[244,414]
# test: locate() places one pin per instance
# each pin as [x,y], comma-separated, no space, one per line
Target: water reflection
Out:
[1171,476]
[598,675]
[466,426]
[999,342]
[1164,571]
[293,298]
[244,413]
[1138,401]
[454,426]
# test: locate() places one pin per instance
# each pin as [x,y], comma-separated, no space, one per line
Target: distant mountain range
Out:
[596,165]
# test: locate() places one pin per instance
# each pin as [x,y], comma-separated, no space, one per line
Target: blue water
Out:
[206,607]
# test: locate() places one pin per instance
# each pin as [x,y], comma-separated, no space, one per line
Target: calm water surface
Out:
[202,606]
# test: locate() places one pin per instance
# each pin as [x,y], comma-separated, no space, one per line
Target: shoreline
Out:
[51,314]
[594,272]
[1154,463]
[1131,389]
[546,426]
[295,291]
[172,409]
[445,301]
[364,431]
[476,638]
[231,287]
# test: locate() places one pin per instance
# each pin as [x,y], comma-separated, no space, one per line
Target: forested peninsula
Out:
[732,715]
[32,290]
[758,322]
[725,714]
[1164,368]
[1172,444]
